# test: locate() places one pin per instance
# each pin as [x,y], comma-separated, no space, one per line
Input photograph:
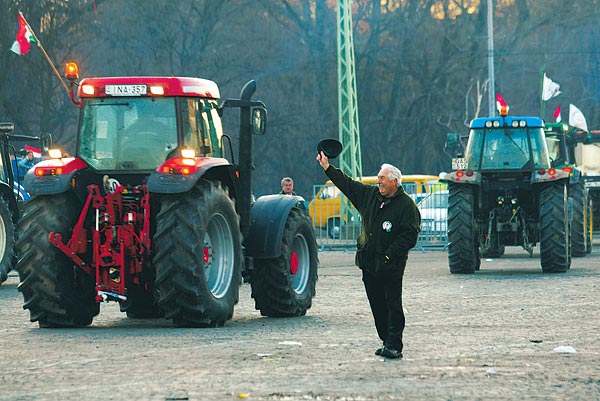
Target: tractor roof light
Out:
[522,123]
[88,89]
[72,71]
[515,124]
[504,110]
[157,90]
[496,124]
[488,124]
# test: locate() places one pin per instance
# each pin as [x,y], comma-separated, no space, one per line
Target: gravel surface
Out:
[508,332]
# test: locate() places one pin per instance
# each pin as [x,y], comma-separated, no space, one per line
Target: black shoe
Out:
[378,351]
[391,353]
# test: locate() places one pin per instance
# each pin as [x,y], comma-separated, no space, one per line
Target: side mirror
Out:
[453,146]
[7,128]
[46,142]
[259,120]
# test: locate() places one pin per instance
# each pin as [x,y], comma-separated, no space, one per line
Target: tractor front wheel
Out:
[198,256]
[285,286]
[56,293]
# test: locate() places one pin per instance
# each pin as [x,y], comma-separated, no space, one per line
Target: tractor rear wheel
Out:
[554,229]
[198,256]
[56,293]
[285,286]
[7,240]
[578,223]
[463,246]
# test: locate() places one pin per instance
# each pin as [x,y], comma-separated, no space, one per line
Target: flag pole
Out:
[542,103]
[64,85]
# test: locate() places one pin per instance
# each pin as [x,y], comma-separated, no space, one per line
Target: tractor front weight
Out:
[119,237]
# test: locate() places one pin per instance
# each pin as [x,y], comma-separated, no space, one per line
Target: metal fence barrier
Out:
[337,225]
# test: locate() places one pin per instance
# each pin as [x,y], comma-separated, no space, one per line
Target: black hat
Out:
[331,147]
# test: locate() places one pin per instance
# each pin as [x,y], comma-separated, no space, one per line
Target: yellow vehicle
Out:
[324,209]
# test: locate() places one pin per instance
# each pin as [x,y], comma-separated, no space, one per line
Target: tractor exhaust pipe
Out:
[245,157]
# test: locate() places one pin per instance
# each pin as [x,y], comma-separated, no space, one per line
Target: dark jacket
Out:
[390,225]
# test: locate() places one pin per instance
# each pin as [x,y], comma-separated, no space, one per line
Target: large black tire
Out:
[463,248]
[285,286]
[554,229]
[7,240]
[56,293]
[198,256]
[578,223]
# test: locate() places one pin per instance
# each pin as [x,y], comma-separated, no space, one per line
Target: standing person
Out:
[27,162]
[390,227]
[287,186]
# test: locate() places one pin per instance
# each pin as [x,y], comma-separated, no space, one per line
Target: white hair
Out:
[393,172]
[286,179]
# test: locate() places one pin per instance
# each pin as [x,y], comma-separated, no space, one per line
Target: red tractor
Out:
[151,214]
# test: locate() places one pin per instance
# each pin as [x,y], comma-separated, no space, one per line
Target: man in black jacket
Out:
[390,228]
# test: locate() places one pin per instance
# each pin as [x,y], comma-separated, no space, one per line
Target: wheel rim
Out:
[299,263]
[218,255]
[2,238]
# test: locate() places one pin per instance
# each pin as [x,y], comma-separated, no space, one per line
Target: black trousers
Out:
[385,298]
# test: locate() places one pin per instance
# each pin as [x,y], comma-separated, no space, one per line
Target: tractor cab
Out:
[137,123]
[507,143]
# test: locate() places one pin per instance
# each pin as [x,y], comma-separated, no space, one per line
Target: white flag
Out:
[550,90]
[576,118]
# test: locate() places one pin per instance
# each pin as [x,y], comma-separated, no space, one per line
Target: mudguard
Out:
[269,215]
[166,183]
[55,176]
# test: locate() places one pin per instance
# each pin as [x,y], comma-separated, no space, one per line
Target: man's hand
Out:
[323,160]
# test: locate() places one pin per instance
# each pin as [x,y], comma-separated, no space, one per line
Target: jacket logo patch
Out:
[387,226]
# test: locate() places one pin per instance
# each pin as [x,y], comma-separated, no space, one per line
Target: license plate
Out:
[459,163]
[126,90]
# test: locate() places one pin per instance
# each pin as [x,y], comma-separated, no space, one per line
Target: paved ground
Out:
[489,336]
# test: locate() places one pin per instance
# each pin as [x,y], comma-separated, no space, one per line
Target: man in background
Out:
[287,186]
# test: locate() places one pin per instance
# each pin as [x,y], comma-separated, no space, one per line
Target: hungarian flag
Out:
[556,114]
[501,103]
[36,151]
[24,38]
